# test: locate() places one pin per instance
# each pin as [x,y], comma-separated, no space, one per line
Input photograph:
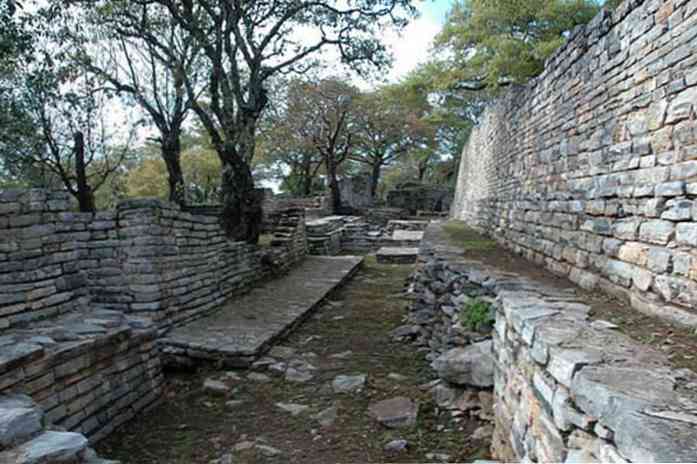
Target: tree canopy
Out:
[488,43]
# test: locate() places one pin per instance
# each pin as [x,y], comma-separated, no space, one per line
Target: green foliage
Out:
[493,42]
[200,165]
[476,315]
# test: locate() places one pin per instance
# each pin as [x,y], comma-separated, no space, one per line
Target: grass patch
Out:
[476,315]
[461,235]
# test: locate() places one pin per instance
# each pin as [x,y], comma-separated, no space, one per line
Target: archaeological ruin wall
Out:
[591,169]
[84,298]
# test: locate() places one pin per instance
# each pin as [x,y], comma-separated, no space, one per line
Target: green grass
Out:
[476,315]
[461,235]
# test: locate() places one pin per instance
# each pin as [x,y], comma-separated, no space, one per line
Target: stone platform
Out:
[245,328]
[397,255]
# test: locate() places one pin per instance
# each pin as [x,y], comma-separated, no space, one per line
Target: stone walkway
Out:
[245,327]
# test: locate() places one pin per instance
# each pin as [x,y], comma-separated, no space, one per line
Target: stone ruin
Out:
[84,299]
[91,305]
[421,199]
[555,385]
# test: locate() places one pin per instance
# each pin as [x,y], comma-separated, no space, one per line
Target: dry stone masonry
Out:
[591,169]
[85,297]
[566,388]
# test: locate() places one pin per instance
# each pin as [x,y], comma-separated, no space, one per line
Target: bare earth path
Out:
[288,410]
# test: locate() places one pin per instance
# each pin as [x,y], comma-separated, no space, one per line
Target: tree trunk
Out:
[333,184]
[242,203]
[422,171]
[374,179]
[84,195]
[307,177]
[171,154]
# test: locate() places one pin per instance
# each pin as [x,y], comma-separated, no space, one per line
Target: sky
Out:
[414,44]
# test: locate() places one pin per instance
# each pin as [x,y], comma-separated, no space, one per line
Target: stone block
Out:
[657,231]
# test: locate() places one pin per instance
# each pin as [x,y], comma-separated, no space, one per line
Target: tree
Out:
[149,77]
[489,43]
[387,125]
[200,167]
[246,43]
[57,125]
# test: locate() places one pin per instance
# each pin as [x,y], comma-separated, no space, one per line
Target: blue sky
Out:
[435,9]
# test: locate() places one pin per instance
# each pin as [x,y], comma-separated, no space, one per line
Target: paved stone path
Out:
[246,326]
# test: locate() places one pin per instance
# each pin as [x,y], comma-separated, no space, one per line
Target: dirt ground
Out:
[679,344]
[193,426]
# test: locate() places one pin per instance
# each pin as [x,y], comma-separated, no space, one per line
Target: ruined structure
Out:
[417,197]
[590,169]
[565,388]
[84,298]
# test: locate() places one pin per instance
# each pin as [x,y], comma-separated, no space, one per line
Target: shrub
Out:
[476,315]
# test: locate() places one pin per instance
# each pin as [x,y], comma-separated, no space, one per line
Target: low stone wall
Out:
[83,297]
[89,371]
[421,197]
[315,207]
[146,257]
[566,388]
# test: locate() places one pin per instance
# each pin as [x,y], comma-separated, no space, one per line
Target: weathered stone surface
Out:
[395,413]
[348,383]
[292,408]
[472,365]
[396,446]
[49,447]
[327,417]
[19,419]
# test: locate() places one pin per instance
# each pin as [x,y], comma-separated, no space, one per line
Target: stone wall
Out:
[146,257]
[566,388]
[83,297]
[417,197]
[90,371]
[591,169]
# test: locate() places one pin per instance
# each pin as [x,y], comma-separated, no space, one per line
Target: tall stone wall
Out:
[591,169]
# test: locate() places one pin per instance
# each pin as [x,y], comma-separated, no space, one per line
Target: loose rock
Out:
[472,365]
[395,413]
[348,383]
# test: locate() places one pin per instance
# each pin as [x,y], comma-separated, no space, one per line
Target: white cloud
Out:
[412,46]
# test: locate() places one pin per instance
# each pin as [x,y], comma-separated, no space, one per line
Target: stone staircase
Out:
[25,438]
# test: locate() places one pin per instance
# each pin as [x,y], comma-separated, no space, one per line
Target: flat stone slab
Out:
[246,326]
[409,235]
[397,255]
[395,413]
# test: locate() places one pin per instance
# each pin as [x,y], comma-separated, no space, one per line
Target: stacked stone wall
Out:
[566,388]
[591,169]
[83,297]
[146,257]
[42,246]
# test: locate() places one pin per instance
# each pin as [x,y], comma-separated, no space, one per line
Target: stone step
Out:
[397,255]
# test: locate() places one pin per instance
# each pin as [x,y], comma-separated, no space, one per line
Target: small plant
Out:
[476,315]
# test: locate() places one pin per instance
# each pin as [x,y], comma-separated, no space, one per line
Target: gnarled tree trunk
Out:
[171,154]
[242,202]
[375,179]
[84,195]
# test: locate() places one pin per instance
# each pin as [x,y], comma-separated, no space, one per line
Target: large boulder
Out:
[469,366]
